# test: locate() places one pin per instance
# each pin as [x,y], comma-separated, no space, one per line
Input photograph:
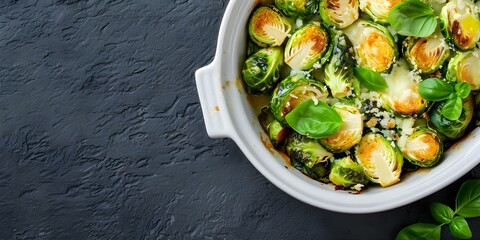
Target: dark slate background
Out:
[102,135]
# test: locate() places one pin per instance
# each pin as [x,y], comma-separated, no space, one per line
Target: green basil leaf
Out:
[413,18]
[314,120]
[434,89]
[459,228]
[370,79]
[442,213]
[420,231]
[452,109]
[462,89]
[467,203]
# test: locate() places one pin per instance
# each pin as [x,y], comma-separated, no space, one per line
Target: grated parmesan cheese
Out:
[358,187]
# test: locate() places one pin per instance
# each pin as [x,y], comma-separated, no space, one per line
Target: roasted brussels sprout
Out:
[339,13]
[373,44]
[465,67]
[349,134]
[339,71]
[276,130]
[402,97]
[461,23]
[306,150]
[452,129]
[346,173]
[267,27]
[296,8]
[307,46]
[423,148]
[318,171]
[378,10]
[426,54]
[262,70]
[266,118]
[293,91]
[381,160]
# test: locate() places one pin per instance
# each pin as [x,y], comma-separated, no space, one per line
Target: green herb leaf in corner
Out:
[434,89]
[370,79]
[463,89]
[315,120]
[420,231]
[459,228]
[442,213]
[413,18]
[452,109]
[467,203]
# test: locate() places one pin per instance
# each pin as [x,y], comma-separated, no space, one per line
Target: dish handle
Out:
[212,101]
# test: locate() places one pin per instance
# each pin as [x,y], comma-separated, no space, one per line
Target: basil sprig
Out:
[315,120]
[370,79]
[435,90]
[467,205]
[413,18]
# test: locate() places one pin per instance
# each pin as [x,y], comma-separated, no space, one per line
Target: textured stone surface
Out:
[102,135]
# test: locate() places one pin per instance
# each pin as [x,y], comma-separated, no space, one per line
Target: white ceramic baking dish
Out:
[228,114]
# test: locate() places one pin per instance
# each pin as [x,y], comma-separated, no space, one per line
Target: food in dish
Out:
[357,96]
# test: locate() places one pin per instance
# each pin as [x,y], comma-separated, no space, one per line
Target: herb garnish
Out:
[467,205]
[413,18]
[315,120]
[434,89]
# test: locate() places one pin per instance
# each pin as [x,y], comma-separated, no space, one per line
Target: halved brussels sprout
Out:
[307,46]
[461,23]
[339,13]
[306,150]
[374,46]
[381,161]
[262,69]
[276,130]
[318,171]
[346,173]
[339,71]
[293,91]
[452,129]
[266,118]
[267,27]
[296,8]
[426,54]
[349,134]
[378,10]
[401,96]
[423,148]
[465,67]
